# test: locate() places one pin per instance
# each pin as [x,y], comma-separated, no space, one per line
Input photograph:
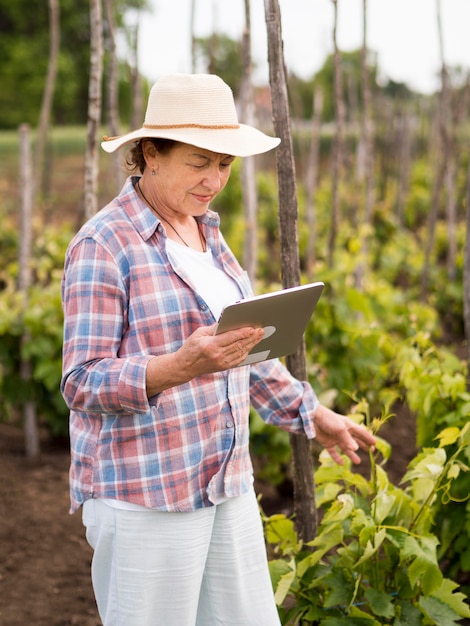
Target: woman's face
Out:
[187,179]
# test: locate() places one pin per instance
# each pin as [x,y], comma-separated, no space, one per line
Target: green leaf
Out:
[453,471]
[407,614]
[340,591]
[383,447]
[457,601]
[423,488]
[324,542]
[283,587]
[361,618]
[424,569]
[372,546]
[428,464]
[383,505]
[438,612]
[465,434]
[280,529]
[448,436]
[349,621]
[380,603]
[282,576]
[327,493]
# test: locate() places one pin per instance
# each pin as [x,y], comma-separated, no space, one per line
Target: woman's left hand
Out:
[338,433]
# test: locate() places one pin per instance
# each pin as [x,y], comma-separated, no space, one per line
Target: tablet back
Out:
[283,314]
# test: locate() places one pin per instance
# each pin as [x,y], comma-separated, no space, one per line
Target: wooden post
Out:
[94,108]
[304,488]
[338,143]
[26,187]
[46,106]
[248,173]
[466,279]
[311,180]
[112,104]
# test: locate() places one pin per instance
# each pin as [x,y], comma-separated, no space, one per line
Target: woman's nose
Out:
[213,179]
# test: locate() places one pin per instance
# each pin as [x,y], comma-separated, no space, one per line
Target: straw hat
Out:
[197,109]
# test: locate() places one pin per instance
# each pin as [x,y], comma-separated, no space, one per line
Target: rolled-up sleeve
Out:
[95,379]
[281,399]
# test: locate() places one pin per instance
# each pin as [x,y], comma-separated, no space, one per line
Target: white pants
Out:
[204,568]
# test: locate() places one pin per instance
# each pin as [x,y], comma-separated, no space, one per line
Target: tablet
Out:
[283,315]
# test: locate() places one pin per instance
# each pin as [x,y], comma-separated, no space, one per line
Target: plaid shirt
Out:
[124,302]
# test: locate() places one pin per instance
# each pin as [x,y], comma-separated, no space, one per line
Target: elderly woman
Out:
[159,409]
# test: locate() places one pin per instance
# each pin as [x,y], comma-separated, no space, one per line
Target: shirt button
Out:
[229,424]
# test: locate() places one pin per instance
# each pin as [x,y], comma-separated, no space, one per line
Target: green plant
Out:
[374,560]
[34,333]
[353,336]
[433,380]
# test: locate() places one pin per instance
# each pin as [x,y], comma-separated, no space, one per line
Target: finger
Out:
[364,438]
[335,455]
[246,336]
[353,456]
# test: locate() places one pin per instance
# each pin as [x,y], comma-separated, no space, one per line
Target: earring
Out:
[153,172]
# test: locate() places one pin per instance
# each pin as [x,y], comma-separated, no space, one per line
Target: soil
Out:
[44,557]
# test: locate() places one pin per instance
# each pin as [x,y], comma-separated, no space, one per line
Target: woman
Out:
[159,408]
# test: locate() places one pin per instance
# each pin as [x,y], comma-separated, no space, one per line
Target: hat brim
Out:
[242,141]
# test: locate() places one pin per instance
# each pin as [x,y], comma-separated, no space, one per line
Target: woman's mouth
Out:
[204,198]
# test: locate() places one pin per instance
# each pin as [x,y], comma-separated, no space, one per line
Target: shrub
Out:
[374,560]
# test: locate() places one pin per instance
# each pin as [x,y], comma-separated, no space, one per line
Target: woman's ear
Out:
[150,152]
[148,149]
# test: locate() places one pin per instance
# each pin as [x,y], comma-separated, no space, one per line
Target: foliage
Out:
[33,332]
[271,447]
[433,381]
[221,55]
[352,95]
[24,49]
[374,560]
[352,336]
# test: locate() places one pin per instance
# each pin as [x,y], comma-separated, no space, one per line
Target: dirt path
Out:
[44,557]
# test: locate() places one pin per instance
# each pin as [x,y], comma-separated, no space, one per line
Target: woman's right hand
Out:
[202,353]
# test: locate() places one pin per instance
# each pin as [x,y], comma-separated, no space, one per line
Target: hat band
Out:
[177,126]
[207,126]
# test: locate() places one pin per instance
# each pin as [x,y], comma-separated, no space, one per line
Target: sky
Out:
[404,34]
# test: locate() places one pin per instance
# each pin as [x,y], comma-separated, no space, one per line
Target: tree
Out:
[221,55]
[24,50]
[23,39]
